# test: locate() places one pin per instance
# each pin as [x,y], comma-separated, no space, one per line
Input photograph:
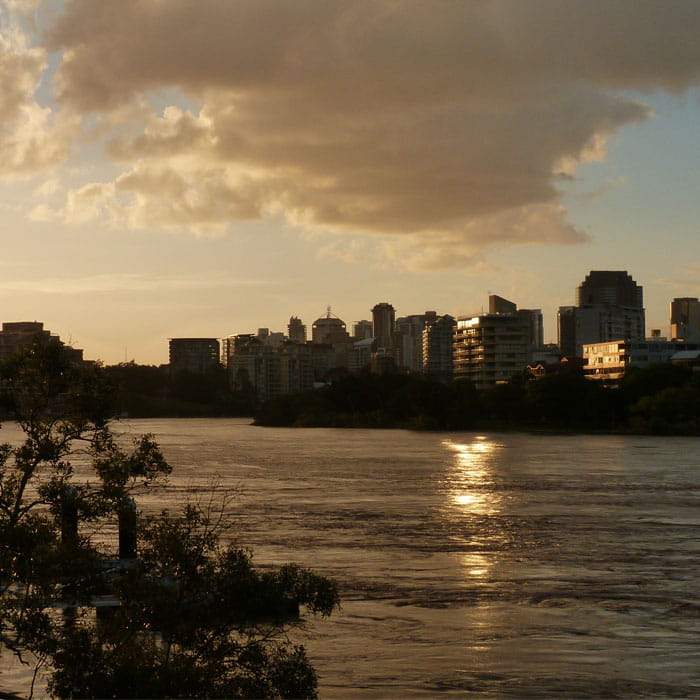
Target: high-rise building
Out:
[610,288]
[383,322]
[273,370]
[231,343]
[491,348]
[362,330]
[609,307]
[438,338]
[685,318]
[296,330]
[533,318]
[361,356]
[329,329]
[17,335]
[197,355]
[296,367]
[408,340]
[566,331]
[273,339]
[499,305]
[252,365]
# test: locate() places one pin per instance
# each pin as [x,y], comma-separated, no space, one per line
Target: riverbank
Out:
[660,400]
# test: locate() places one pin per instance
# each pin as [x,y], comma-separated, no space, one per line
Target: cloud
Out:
[685,282]
[450,126]
[599,192]
[47,188]
[32,137]
[121,283]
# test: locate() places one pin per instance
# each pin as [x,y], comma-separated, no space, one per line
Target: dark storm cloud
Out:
[456,122]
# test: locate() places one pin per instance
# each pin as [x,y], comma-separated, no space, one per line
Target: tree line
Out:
[660,399]
[147,391]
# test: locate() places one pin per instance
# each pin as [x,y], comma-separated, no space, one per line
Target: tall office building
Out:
[609,307]
[383,322]
[438,336]
[685,318]
[408,340]
[566,331]
[533,319]
[362,330]
[610,288]
[296,330]
[499,305]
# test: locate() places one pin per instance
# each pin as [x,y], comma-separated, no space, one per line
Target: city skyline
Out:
[231,165]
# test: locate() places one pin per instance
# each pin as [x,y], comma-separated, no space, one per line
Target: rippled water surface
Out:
[503,565]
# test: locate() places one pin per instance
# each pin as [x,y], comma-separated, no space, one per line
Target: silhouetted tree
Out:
[190,618]
[565,399]
[647,381]
[505,403]
[147,391]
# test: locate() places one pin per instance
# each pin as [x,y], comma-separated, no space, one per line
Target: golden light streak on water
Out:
[472,476]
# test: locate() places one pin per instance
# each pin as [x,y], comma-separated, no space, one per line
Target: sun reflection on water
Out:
[471,480]
[473,505]
[475,564]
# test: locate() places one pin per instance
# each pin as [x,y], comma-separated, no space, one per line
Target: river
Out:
[495,564]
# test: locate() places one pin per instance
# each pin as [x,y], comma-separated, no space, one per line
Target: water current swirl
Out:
[498,565]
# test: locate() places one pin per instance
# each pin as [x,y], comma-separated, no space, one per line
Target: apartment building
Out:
[608,361]
[197,355]
[491,348]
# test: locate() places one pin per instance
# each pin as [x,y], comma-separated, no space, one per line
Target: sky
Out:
[199,168]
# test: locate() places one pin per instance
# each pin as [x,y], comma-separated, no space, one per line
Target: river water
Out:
[495,564]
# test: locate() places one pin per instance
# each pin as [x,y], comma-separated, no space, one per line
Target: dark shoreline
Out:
[494,428]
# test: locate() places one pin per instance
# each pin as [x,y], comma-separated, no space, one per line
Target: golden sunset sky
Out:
[176,168]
